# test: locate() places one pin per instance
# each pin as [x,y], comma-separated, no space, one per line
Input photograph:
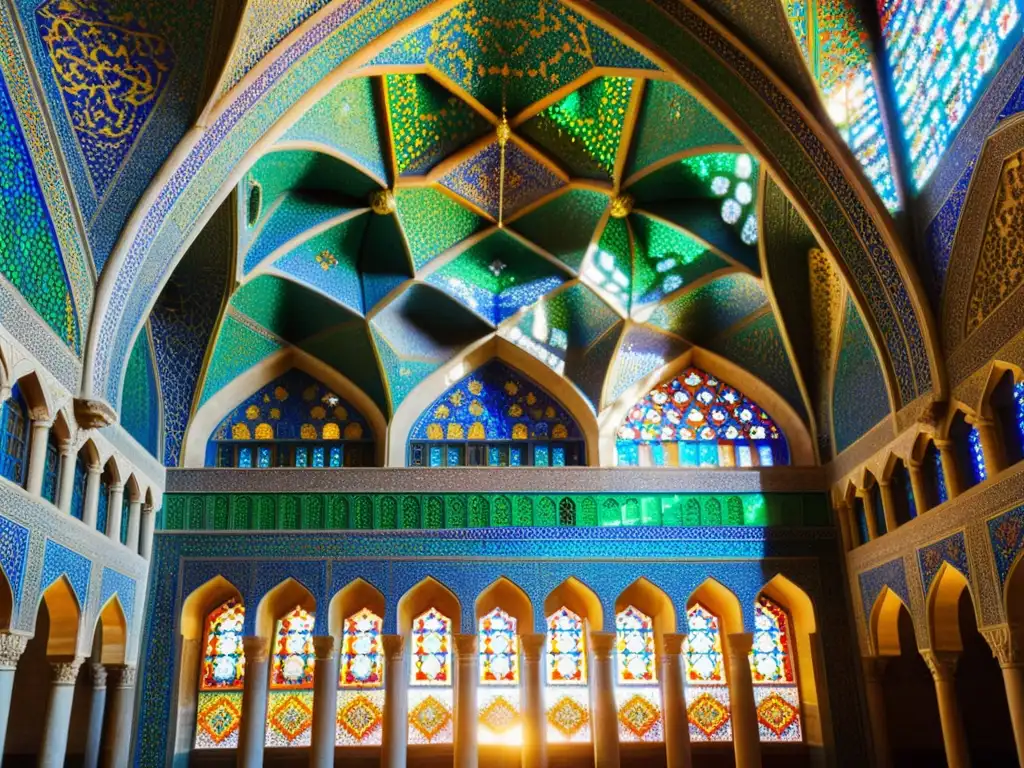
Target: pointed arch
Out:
[200,601]
[943,606]
[722,602]
[428,593]
[1013,593]
[797,436]
[213,411]
[651,600]
[884,621]
[578,598]
[65,617]
[111,633]
[37,396]
[132,490]
[1002,401]
[511,598]
[350,600]
[470,359]
[6,602]
[285,597]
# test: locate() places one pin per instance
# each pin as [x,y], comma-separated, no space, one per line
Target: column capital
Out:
[66,672]
[125,675]
[672,644]
[602,644]
[256,648]
[942,664]
[465,647]
[92,469]
[1005,642]
[42,420]
[116,488]
[533,645]
[99,675]
[394,646]
[739,644]
[147,509]
[11,648]
[323,646]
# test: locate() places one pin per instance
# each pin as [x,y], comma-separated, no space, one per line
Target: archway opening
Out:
[1007,404]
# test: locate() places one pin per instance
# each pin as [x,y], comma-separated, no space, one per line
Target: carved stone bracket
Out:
[11,648]
[66,672]
[942,664]
[1005,643]
[125,676]
[94,414]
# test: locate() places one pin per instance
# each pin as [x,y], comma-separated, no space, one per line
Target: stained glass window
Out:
[835,46]
[219,707]
[697,420]
[707,691]
[290,706]
[504,414]
[294,421]
[566,697]
[361,680]
[977,466]
[103,506]
[78,489]
[51,472]
[430,681]
[498,697]
[637,694]
[772,668]
[941,55]
[14,426]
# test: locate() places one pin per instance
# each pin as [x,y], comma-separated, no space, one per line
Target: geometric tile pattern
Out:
[778,712]
[430,716]
[13,554]
[59,560]
[952,550]
[708,711]
[639,714]
[218,718]
[360,717]
[568,715]
[1006,532]
[499,716]
[289,718]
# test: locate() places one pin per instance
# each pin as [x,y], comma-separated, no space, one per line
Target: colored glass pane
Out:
[362,660]
[52,471]
[14,437]
[78,489]
[771,658]
[733,179]
[102,507]
[703,648]
[224,657]
[566,654]
[431,649]
[499,648]
[635,647]
[941,55]
[293,659]
[977,455]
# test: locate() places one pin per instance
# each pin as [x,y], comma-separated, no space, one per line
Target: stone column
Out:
[868,500]
[844,517]
[917,485]
[605,716]
[147,525]
[58,713]
[535,745]
[991,446]
[874,670]
[325,703]
[68,458]
[950,471]
[252,730]
[115,509]
[888,506]
[942,665]
[395,730]
[118,741]
[92,496]
[11,648]
[1006,647]
[97,707]
[134,513]
[37,457]
[465,701]
[745,734]
[673,703]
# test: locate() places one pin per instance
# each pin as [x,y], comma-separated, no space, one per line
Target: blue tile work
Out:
[952,550]
[940,234]
[1006,532]
[116,583]
[13,554]
[140,403]
[891,575]
[122,90]
[467,561]
[859,396]
[58,560]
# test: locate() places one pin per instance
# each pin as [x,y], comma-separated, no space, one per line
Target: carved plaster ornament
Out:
[94,414]
[934,413]
[942,664]
[382,202]
[66,672]
[1005,643]
[622,206]
[11,648]
[99,675]
[126,676]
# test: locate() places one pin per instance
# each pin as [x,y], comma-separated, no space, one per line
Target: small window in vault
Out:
[254,203]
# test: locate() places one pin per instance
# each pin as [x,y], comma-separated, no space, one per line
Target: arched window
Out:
[51,471]
[877,507]
[290,704]
[294,421]
[696,420]
[219,709]
[78,488]
[773,669]
[707,690]
[934,476]
[14,426]
[125,522]
[498,696]
[861,518]
[430,680]
[361,681]
[637,694]
[835,46]
[903,493]
[103,503]
[496,417]
[566,696]
[1008,414]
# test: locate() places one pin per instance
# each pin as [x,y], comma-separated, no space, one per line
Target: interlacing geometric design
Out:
[498,695]
[775,684]
[707,690]
[637,694]
[290,704]
[566,695]
[361,681]
[431,705]
[219,709]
